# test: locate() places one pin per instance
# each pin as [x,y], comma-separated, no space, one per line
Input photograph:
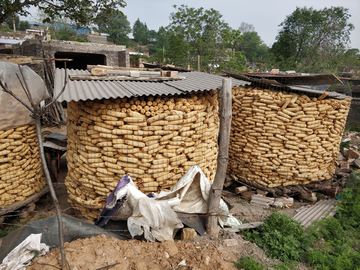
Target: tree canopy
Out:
[81,12]
[253,47]
[141,33]
[118,28]
[312,40]
[194,32]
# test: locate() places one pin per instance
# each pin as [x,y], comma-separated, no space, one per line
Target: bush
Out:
[332,243]
[281,237]
[248,263]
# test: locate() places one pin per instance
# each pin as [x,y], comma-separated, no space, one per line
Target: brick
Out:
[167,73]
[344,164]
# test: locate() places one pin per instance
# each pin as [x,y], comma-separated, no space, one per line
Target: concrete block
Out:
[99,71]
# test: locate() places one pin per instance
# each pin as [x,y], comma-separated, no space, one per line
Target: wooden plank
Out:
[121,78]
[120,68]
[29,200]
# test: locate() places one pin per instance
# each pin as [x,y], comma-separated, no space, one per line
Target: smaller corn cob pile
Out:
[155,140]
[21,172]
[283,138]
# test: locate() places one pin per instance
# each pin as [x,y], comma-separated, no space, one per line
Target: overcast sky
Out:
[265,15]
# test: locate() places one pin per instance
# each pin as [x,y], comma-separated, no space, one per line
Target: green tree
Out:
[312,40]
[118,29]
[11,20]
[64,33]
[141,32]
[23,25]
[253,47]
[81,12]
[159,45]
[236,62]
[350,62]
[194,32]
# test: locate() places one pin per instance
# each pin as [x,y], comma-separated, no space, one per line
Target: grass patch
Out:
[331,244]
[248,263]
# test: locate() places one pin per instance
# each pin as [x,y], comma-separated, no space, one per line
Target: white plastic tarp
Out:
[19,258]
[190,195]
[156,217]
[13,114]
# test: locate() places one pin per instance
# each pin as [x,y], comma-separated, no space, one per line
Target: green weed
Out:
[281,237]
[332,243]
[240,201]
[248,263]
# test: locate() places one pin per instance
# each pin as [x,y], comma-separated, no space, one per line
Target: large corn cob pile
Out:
[283,138]
[155,140]
[21,173]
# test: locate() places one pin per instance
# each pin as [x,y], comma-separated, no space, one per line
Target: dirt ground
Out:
[102,252]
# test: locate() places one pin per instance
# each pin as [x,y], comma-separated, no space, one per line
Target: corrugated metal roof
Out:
[87,89]
[308,214]
[262,201]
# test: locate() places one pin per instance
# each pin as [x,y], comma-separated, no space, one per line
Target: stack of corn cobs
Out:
[155,140]
[20,166]
[283,138]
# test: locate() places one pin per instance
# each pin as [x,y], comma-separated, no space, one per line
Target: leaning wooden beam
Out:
[120,68]
[14,206]
[121,78]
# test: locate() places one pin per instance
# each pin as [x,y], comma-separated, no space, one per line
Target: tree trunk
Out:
[64,263]
[224,136]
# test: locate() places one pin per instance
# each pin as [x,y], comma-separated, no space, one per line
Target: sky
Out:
[264,15]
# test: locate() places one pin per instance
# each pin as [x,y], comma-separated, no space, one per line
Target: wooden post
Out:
[198,63]
[224,136]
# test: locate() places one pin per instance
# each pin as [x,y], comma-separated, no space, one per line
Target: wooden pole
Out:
[198,63]
[224,136]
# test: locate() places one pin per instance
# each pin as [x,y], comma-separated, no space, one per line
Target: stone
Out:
[247,195]
[242,189]
[182,263]
[261,192]
[340,157]
[188,234]
[231,242]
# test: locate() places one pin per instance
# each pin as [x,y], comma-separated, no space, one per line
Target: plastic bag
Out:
[13,114]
